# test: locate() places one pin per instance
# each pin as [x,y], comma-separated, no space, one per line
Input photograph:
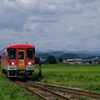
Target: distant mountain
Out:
[56,53]
[48,51]
[43,55]
[65,51]
[64,55]
[68,54]
[39,51]
[81,55]
[89,52]
[82,51]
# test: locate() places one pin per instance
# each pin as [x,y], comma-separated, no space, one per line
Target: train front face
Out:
[21,60]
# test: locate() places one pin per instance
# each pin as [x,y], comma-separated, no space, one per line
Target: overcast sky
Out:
[51,24]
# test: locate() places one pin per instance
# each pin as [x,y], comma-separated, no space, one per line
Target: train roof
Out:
[20,45]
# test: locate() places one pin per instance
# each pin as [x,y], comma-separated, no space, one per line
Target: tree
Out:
[37,60]
[51,59]
[60,60]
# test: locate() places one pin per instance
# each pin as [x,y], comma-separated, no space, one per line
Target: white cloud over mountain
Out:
[51,24]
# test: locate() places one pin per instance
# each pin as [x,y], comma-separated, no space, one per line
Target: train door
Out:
[21,60]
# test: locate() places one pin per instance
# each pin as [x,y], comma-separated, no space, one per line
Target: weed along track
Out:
[55,92]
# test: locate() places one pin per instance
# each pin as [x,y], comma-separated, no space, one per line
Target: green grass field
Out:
[81,76]
[10,91]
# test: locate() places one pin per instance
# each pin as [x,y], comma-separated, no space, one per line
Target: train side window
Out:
[31,53]
[11,53]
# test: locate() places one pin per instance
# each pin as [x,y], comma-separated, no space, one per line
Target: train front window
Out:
[21,55]
[31,53]
[11,53]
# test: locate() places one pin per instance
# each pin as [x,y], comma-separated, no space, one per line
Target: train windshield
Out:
[21,55]
[11,53]
[31,53]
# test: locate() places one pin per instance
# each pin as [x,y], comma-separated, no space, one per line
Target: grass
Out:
[81,76]
[10,91]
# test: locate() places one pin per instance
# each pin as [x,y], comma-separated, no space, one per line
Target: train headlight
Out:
[29,63]
[12,63]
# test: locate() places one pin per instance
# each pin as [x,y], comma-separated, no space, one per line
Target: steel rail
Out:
[35,93]
[32,92]
[70,90]
[47,90]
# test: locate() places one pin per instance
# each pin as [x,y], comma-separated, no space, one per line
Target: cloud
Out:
[51,24]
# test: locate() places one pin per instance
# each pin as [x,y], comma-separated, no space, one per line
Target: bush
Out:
[51,59]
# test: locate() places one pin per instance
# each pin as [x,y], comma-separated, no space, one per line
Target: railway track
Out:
[42,92]
[54,92]
[71,90]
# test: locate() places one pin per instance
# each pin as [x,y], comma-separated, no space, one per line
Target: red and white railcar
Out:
[18,60]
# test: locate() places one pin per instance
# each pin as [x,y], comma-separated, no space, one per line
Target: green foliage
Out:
[10,91]
[60,60]
[0,68]
[80,76]
[77,97]
[51,59]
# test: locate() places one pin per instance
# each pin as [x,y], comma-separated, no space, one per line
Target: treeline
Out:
[50,59]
